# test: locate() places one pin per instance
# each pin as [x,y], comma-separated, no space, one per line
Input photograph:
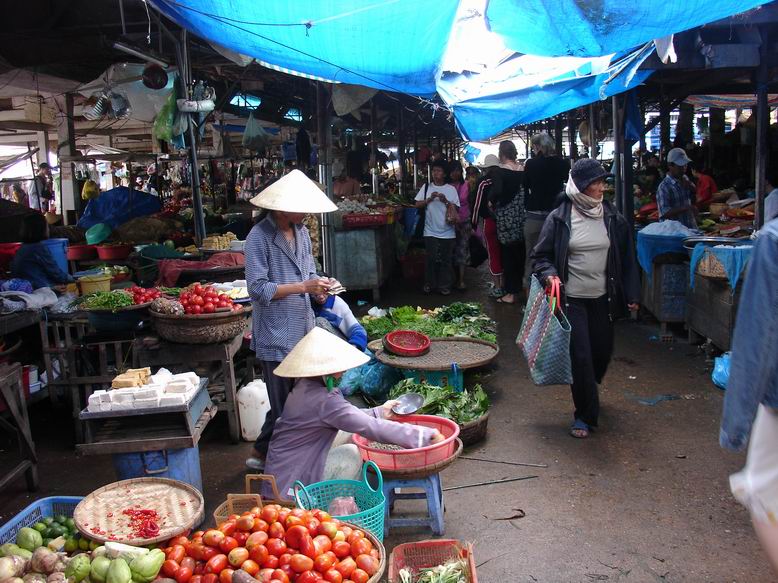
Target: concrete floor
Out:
[644,499]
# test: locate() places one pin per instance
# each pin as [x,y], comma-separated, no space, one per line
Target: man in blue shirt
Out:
[674,197]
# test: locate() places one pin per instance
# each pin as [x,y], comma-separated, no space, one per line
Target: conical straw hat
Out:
[318,354]
[294,193]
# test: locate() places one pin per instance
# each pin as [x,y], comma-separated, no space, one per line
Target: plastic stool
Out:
[433,494]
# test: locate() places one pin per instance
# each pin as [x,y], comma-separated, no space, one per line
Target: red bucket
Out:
[7,252]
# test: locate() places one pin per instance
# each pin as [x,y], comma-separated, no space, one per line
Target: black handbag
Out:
[510,220]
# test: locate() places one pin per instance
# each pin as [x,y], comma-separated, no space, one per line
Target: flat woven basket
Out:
[710,266]
[474,431]
[418,473]
[201,328]
[100,516]
[240,503]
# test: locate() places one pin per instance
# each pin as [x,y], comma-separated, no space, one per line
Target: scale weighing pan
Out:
[408,403]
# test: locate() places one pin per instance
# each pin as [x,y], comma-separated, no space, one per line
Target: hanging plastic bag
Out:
[720,374]
[254,136]
[373,379]
[163,123]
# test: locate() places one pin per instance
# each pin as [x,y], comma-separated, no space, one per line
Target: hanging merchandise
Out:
[255,138]
[191,106]
[163,123]
[303,148]
[154,76]
[289,151]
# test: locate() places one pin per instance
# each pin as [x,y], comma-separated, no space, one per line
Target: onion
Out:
[11,567]
[44,560]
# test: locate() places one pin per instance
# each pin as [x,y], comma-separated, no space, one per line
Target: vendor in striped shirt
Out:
[281,278]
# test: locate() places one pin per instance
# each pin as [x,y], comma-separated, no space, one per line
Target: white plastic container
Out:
[253,407]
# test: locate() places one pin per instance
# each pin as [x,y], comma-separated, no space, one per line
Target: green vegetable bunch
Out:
[453,571]
[112,300]
[461,407]
[457,319]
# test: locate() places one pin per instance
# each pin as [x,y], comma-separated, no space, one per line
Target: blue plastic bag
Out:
[373,379]
[720,374]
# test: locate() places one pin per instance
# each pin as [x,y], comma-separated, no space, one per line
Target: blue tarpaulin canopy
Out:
[405,46]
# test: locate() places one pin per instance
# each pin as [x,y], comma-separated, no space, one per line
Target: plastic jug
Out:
[253,407]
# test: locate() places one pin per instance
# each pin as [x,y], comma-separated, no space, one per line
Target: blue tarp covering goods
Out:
[593,47]
[117,206]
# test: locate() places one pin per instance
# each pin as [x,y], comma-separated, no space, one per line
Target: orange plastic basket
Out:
[429,553]
[408,459]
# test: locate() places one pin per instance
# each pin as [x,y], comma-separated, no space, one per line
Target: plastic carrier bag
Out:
[254,136]
[373,379]
[720,374]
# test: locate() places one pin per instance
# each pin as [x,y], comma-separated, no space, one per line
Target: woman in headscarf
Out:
[586,245]
[312,439]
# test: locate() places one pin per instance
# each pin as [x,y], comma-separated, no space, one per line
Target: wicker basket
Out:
[474,431]
[201,328]
[240,503]
[717,209]
[430,553]
[710,266]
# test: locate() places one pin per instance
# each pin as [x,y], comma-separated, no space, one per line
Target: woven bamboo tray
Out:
[465,352]
[710,266]
[475,431]
[99,515]
[201,328]
[416,473]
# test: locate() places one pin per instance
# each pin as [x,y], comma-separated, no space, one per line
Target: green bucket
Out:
[371,503]
[98,233]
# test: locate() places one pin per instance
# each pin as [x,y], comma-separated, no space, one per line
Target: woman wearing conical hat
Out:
[304,445]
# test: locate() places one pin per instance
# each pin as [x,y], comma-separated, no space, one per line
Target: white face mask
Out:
[584,204]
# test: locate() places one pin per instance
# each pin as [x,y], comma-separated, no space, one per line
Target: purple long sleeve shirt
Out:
[312,417]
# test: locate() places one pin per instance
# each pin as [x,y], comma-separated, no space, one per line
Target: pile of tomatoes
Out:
[143,295]
[273,545]
[199,299]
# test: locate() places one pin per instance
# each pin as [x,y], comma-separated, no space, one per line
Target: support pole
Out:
[558,134]
[664,127]
[323,131]
[762,123]
[571,131]
[66,140]
[618,139]
[197,200]
[401,148]
[592,134]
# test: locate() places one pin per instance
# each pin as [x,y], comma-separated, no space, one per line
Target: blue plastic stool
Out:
[433,493]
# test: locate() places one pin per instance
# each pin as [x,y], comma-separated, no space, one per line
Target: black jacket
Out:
[549,257]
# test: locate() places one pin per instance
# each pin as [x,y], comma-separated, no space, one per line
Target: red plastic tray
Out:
[80,252]
[407,343]
[411,459]
[429,553]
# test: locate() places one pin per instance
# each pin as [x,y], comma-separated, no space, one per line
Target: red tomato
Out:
[195,550]
[324,563]
[197,309]
[346,567]
[292,521]
[210,578]
[197,288]
[179,540]
[300,563]
[265,575]
[276,530]
[228,527]
[255,539]
[271,562]
[198,300]
[313,526]
[260,525]
[359,576]
[199,568]
[250,567]
[346,530]
[294,535]
[213,537]
[322,544]
[222,304]
[237,557]
[328,529]
[227,544]
[245,523]
[196,579]
[183,575]
[209,553]
[333,576]
[368,564]
[170,568]
[276,546]
[226,576]
[283,514]
[259,554]
[176,553]
[341,549]
[189,563]
[360,546]
[281,575]
[307,547]
[355,534]
[269,514]
[241,537]
[307,577]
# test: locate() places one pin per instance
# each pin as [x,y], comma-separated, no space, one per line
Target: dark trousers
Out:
[512,266]
[591,346]
[277,391]
[440,257]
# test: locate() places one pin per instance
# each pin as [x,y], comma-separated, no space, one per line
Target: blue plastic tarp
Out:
[593,28]
[734,260]
[395,46]
[117,206]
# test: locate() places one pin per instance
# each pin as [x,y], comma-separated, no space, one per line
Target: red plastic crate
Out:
[355,220]
[429,553]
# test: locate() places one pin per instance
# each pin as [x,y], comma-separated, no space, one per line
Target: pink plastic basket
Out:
[409,459]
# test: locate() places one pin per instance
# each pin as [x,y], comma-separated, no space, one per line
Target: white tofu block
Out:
[105,396]
[161,377]
[171,400]
[128,406]
[95,398]
[105,406]
[189,376]
[180,386]
[94,407]
[146,403]
[144,393]
[123,395]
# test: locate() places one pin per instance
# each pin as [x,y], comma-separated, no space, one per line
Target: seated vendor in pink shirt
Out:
[304,445]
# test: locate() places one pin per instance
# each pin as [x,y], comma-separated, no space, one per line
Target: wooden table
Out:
[137,430]
[17,320]
[12,392]
[153,351]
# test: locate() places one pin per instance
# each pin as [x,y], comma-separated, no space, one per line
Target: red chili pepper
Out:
[143,522]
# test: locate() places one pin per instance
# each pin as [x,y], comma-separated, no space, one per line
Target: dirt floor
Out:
[644,499]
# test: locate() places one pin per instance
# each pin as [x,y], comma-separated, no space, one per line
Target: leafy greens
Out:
[461,407]
[457,319]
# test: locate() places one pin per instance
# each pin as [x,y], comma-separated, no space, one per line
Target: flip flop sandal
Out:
[579,429]
[502,301]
